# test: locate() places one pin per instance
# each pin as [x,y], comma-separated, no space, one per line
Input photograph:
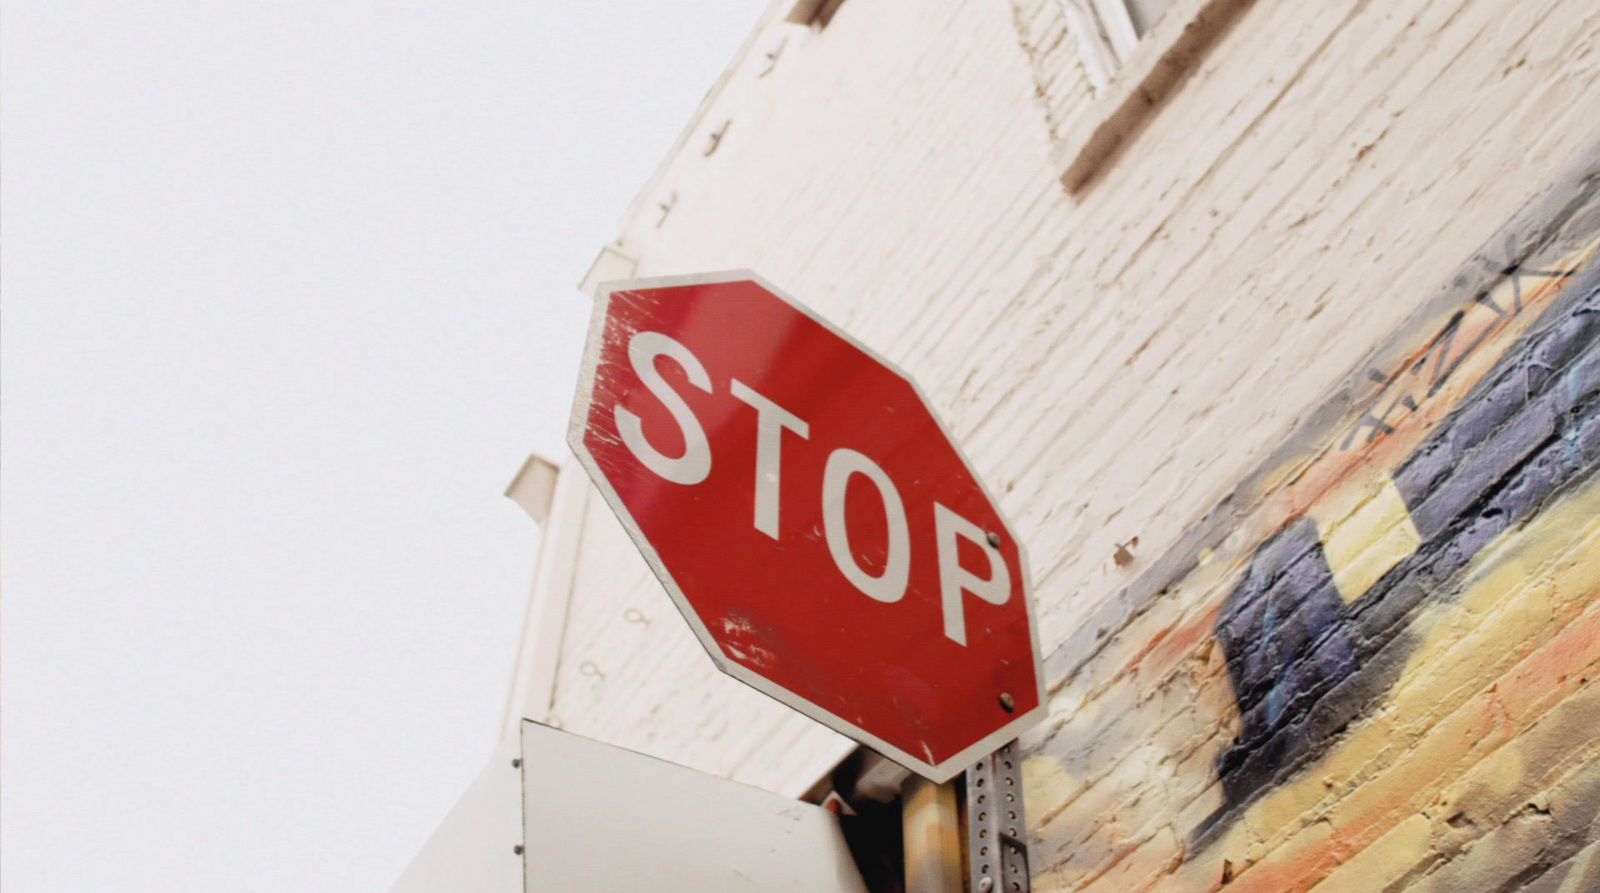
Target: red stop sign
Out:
[810,516]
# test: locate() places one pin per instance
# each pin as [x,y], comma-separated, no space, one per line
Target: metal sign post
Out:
[997,827]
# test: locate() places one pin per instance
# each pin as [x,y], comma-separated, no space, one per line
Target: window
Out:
[1144,13]
[1108,30]
[1133,53]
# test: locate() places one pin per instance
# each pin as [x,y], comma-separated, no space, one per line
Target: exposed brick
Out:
[1577,874]
[1553,827]
[1385,862]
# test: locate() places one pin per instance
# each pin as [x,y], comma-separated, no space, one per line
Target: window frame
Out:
[1127,90]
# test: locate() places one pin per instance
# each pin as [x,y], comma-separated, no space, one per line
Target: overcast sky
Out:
[289,293]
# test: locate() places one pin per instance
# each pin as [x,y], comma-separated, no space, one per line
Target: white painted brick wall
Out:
[1113,361]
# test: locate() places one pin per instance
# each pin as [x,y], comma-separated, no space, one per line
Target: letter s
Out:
[695,463]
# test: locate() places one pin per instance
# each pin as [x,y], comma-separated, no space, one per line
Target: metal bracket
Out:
[997,828]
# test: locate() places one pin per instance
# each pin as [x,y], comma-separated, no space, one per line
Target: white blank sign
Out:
[604,819]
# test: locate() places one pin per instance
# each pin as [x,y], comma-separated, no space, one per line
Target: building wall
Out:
[1293,401]
[1379,670]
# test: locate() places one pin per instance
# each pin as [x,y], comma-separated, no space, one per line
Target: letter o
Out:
[889,586]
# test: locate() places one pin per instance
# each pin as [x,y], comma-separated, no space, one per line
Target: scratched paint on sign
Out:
[812,518]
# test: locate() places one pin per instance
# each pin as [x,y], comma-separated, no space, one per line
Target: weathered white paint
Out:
[539,651]
[1115,360]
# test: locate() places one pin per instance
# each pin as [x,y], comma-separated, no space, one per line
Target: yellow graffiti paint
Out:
[1363,545]
[1451,729]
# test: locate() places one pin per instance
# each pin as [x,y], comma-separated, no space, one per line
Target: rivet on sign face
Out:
[994,539]
[1006,702]
[517,849]
[516,762]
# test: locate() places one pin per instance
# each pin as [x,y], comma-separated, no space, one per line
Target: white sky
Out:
[289,294]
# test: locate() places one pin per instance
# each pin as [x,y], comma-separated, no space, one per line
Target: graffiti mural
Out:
[1375,665]
[1306,656]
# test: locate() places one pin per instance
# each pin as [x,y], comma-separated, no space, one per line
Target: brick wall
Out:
[1384,658]
[1320,334]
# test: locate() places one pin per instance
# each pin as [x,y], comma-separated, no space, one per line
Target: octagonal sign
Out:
[810,516]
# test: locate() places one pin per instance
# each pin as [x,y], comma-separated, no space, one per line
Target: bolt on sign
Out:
[810,516]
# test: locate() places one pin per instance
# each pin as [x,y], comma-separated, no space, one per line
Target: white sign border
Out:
[937,772]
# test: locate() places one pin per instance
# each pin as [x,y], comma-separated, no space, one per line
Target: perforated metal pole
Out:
[997,828]
[932,830]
